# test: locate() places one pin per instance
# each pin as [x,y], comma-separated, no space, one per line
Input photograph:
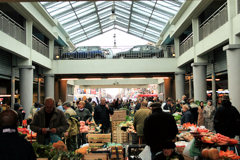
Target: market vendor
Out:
[49,122]
[13,146]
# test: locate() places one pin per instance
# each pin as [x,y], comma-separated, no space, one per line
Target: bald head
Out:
[8,118]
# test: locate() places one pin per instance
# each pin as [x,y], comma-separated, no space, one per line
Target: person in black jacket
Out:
[13,146]
[227,119]
[88,106]
[101,115]
[187,115]
[160,131]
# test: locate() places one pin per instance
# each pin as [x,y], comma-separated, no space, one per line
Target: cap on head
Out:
[68,104]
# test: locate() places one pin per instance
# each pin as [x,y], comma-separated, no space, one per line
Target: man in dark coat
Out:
[48,121]
[88,106]
[13,146]
[227,119]
[160,130]
[101,115]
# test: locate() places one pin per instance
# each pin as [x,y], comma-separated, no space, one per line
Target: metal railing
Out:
[216,20]
[169,51]
[40,46]
[123,53]
[186,44]
[12,28]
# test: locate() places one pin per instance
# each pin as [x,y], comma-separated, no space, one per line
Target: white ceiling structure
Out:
[84,20]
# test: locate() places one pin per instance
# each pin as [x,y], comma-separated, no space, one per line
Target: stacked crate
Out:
[96,141]
[119,136]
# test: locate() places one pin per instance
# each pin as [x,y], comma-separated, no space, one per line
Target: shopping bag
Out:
[146,153]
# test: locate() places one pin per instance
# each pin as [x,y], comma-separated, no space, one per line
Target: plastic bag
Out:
[146,153]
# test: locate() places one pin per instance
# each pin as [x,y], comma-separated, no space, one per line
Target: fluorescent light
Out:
[6,95]
[211,79]
[93,78]
[68,79]
[160,77]
[138,78]
[114,78]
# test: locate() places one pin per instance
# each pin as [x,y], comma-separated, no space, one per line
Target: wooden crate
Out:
[96,156]
[95,146]
[114,153]
[101,138]
[119,115]
[119,136]
[115,124]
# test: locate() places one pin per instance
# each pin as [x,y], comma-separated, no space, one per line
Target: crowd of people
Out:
[153,120]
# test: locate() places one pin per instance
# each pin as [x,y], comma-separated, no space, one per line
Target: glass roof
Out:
[83,20]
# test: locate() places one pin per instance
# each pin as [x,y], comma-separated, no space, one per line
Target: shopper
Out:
[101,115]
[208,114]
[73,129]
[139,118]
[13,146]
[88,106]
[193,110]
[160,131]
[187,115]
[83,114]
[227,119]
[200,121]
[49,122]
[19,113]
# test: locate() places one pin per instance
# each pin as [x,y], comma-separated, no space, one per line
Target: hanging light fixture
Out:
[113,15]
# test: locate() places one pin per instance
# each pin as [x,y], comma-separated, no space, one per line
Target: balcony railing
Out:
[169,51]
[216,20]
[40,46]
[12,28]
[186,44]
[122,53]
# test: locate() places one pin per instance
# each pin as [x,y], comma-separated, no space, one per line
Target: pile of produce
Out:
[214,154]
[185,136]
[83,128]
[55,151]
[218,139]
[228,155]
[189,125]
[177,116]
[83,150]
[23,130]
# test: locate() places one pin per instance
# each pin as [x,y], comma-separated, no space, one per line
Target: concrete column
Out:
[177,47]
[26,87]
[51,49]
[49,85]
[39,91]
[233,65]
[29,28]
[179,84]
[195,28]
[190,87]
[165,52]
[63,90]
[214,95]
[199,81]
[13,88]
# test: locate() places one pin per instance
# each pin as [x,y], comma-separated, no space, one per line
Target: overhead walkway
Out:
[117,67]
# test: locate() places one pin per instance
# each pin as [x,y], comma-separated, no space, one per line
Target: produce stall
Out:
[204,144]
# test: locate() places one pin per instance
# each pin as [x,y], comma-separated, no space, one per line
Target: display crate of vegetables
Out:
[101,138]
